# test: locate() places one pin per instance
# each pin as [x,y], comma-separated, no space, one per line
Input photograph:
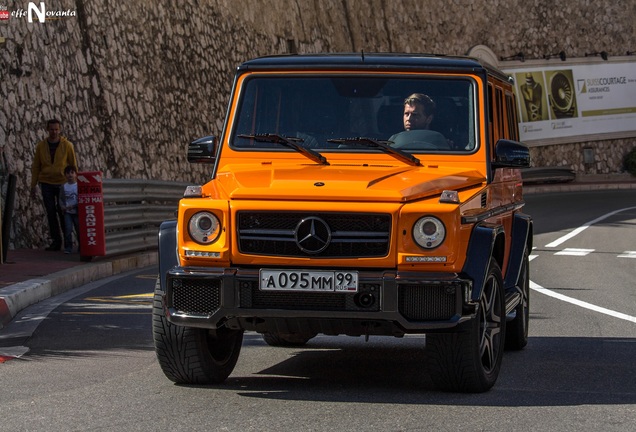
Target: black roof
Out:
[380,61]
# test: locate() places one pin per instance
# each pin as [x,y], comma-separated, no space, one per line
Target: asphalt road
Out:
[91,363]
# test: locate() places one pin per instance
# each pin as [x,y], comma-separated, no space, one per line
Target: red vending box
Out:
[91,214]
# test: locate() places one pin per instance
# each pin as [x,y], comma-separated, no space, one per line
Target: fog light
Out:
[364,300]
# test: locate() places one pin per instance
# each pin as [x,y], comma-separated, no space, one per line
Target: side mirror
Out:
[511,154]
[202,150]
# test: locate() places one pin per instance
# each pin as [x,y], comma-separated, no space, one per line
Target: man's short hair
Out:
[423,100]
[53,121]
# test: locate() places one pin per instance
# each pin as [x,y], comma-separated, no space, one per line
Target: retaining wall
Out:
[134,82]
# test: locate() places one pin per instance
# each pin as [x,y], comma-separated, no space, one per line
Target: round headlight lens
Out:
[429,232]
[204,227]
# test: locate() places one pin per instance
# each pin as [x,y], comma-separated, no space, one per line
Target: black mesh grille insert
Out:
[428,302]
[196,296]
[252,297]
[299,301]
[352,234]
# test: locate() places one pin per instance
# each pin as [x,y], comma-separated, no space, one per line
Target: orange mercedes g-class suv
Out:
[353,194]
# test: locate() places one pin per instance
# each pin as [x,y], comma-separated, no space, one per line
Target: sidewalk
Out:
[32,275]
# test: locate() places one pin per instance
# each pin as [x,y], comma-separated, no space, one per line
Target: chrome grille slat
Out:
[353,234]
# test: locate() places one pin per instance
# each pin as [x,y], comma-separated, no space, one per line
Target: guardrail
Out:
[133,211]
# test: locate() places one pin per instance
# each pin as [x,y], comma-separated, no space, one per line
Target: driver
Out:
[419,110]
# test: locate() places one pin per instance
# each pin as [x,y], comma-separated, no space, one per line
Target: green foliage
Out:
[630,162]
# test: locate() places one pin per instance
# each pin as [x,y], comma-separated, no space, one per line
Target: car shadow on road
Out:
[555,371]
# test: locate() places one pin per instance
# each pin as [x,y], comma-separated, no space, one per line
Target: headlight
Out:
[429,232]
[204,227]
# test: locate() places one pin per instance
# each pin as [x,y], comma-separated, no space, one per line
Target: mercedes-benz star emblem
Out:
[312,235]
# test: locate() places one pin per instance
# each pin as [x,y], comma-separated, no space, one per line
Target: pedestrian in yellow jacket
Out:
[52,156]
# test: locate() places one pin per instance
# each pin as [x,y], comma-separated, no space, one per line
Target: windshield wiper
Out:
[290,142]
[381,144]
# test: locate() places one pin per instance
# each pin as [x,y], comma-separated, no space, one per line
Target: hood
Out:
[344,183]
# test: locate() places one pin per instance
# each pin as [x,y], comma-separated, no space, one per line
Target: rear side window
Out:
[500,113]
[512,116]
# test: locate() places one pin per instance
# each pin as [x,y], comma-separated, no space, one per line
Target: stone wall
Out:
[134,82]
[608,156]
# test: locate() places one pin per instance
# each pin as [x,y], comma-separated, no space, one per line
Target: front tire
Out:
[469,360]
[193,355]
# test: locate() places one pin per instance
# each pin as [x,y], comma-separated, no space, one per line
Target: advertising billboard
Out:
[564,100]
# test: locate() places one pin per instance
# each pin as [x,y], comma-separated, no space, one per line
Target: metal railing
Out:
[133,211]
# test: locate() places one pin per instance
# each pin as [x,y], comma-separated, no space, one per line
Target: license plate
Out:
[309,280]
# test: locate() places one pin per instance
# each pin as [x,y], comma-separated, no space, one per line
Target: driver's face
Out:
[415,117]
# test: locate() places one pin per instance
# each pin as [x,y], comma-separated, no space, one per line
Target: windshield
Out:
[347,113]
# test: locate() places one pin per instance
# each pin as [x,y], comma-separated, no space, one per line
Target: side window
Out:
[511,115]
[499,123]
[515,116]
[491,101]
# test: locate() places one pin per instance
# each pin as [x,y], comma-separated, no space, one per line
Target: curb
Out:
[19,296]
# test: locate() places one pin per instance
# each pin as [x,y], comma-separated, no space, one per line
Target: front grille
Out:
[428,302]
[196,296]
[352,234]
[253,298]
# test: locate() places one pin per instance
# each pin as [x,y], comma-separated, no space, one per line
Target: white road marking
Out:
[583,227]
[627,254]
[582,304]
[583,252]
[575,252]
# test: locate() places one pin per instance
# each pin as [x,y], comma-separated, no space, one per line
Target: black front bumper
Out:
[387,302]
